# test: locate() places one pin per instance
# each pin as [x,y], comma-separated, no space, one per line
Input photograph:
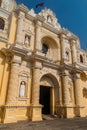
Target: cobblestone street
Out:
[55,124]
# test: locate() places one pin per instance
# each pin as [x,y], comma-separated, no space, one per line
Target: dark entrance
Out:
[45,99]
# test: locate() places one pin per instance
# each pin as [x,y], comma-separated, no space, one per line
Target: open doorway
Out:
[45,99]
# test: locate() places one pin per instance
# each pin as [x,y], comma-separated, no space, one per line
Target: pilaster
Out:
[19,38]
[63,45]
[65,87]
[35,91]
[78,96]
[5,80]
[13,82]
[74,53]
[67,110]
[38,34]
[36,108]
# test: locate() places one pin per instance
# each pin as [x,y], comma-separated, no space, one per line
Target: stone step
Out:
[49,117]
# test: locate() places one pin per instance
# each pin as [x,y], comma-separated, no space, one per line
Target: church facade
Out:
[43,70]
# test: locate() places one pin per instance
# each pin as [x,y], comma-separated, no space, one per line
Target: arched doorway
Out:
[49,93]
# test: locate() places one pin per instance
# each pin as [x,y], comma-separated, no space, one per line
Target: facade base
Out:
[36,112]
[70,111]
[12,114]
[79,112]
[65,111]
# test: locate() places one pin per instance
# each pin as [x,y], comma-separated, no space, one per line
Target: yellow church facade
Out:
[43,70]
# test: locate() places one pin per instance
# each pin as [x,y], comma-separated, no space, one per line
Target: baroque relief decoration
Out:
[50,18]
[70,86]
[8,5]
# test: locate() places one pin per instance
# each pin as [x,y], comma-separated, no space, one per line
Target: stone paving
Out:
[56,124]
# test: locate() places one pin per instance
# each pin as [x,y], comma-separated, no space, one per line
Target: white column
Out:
[19,38]
[63,45]
[74,53]
[38,35]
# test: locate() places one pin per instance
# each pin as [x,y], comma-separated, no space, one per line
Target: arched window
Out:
[2,24]
[44,48]
[22,89]
[81,58]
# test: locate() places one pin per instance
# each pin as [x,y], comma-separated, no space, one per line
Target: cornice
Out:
[84,67]
[3,39]
[81,50]
[50,28]
[22,8]
[28,16]
[38,17]
[19,50]
[4,11]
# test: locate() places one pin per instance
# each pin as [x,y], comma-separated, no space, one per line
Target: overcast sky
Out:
[71,14]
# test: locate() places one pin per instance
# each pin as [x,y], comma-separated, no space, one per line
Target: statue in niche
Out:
[27,41]
[49,19]
[22,89]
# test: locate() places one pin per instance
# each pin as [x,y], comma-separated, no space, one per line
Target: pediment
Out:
[50,18]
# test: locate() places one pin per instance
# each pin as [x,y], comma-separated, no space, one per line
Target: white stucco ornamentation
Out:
[32,13]
[37,54]
[50,18]
[8,5]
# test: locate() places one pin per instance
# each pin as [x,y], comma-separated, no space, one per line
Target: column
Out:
[19,38]
[13,82]
[38,39]
[36,107]
[78,91]
[62,37]
[79,110]
[65,88]
[36,85]
[5,80]
[74,53]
